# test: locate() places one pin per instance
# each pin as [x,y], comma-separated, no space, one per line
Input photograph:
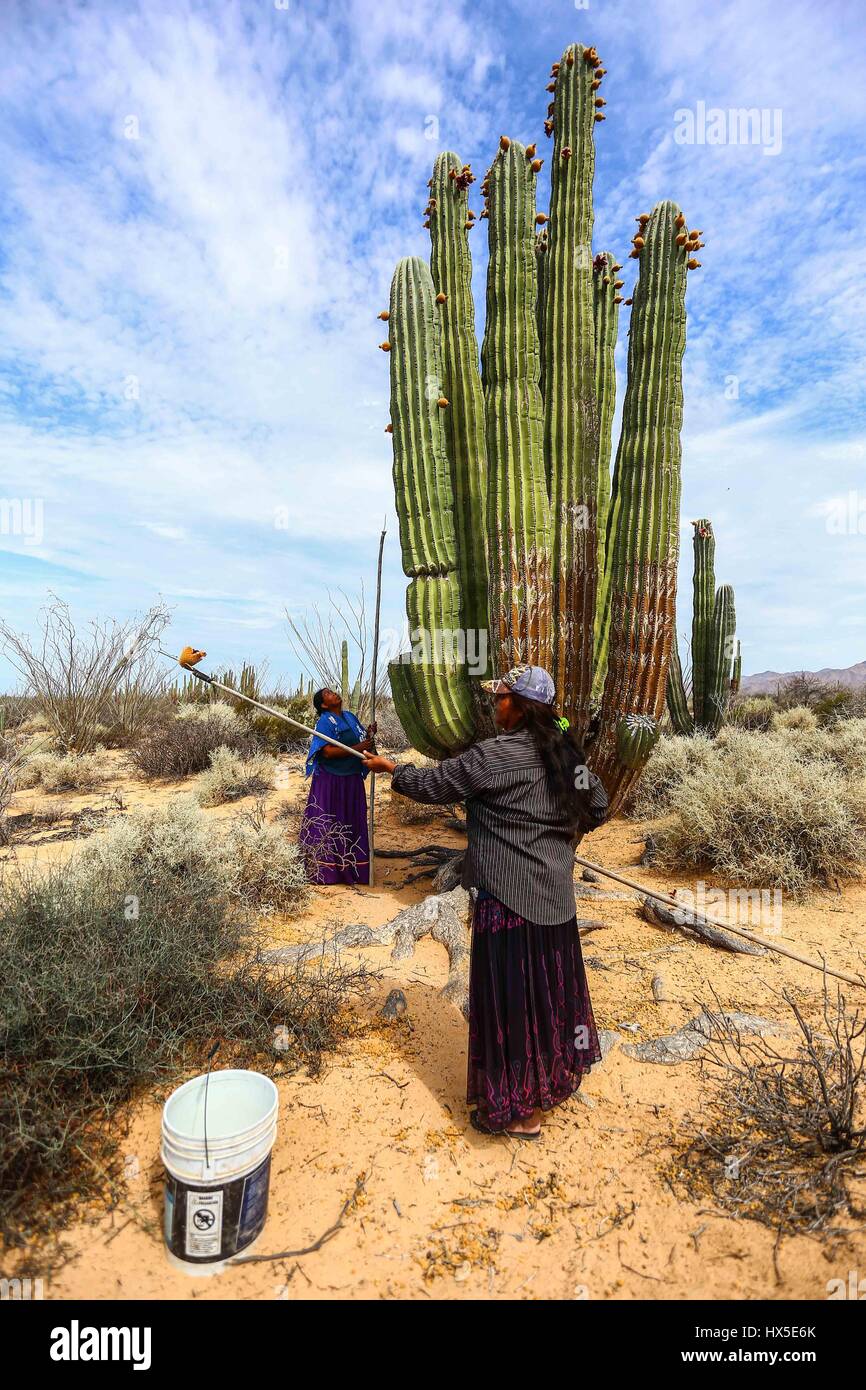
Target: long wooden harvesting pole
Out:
[188,664]
[725,926]
[370,832]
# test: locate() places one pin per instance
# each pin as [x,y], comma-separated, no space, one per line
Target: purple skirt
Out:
[333,836]
[532,1035]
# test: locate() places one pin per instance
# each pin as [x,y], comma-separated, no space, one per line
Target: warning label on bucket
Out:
[204,1222]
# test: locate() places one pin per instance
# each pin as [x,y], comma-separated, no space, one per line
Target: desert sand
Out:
[440,1211]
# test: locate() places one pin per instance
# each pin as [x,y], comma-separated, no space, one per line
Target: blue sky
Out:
[203,205]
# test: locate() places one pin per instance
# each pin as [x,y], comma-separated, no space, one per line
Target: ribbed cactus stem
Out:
[703,599]
[721,655]
[606,323]
[344,672]
[644,526]
[451,268]
[541,245]
[431,690]
[570,406]
[737,671]
[517,504]
[677,700]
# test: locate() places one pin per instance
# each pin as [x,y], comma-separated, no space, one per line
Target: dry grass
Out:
[773,809]
[64,772]
[231,777]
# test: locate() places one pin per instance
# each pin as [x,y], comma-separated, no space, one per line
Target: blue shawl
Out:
[347,729]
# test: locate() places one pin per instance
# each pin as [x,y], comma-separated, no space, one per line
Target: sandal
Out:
[509,1133]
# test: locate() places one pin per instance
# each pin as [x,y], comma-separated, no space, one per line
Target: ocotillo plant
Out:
[715,650]
[504,475]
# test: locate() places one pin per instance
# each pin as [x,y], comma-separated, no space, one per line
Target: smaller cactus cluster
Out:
[716,658]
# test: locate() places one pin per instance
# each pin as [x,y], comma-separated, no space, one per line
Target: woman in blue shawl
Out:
[334,828]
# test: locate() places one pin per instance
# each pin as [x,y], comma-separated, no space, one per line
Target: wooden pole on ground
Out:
[725,926]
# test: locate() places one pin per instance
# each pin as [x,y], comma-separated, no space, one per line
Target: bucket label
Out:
[204,1222]
[254,1204]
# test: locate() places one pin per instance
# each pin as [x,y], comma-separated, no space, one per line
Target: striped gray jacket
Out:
[520,851]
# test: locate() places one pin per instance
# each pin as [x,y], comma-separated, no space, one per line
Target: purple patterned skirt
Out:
[532,1034]
[333,836]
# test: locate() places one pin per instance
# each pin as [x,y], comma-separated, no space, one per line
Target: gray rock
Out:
[589,876]
[691,1039]
[608,1039]
[394,1006]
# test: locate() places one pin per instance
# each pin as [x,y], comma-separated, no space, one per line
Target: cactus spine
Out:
[519,539]
[715,651]
[575,579]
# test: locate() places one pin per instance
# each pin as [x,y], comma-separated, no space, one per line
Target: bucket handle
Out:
[213,1052]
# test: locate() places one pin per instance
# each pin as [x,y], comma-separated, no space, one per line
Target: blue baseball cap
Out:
[531,682]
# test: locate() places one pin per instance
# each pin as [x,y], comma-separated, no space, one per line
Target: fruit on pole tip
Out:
[190,657]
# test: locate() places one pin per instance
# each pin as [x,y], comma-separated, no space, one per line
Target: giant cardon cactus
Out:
[715,649]
[518,542]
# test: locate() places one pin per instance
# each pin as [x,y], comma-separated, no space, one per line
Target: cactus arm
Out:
[431,693]
[703,599]
[720,658]
[466,444]
[344,672]
[570,407]
[644,525]
[517,505]
[678,705]
[737,670]
[606,322]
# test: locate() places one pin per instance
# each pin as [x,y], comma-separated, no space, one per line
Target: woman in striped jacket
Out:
[529,797]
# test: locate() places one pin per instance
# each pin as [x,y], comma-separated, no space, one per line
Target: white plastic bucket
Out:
[216,1190]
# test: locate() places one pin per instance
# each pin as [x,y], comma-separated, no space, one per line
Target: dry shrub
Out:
[64,772]
[270,870]
[764,809]
[117,971]
[672,759]
[753,712]
[785,1135]
[230,777]
[182,746]
[799,718]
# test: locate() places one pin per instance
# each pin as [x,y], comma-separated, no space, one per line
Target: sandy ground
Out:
[442,1212]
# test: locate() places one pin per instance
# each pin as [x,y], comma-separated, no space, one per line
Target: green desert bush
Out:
[799,717]
[183,745]
[672,759]
[767,809]
[230,777]
[117,971]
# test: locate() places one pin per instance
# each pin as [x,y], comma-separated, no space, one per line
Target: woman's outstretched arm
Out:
[453,780]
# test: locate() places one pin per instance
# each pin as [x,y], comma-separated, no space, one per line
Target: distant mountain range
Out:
[766,682]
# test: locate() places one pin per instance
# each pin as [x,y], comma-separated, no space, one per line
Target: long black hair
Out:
[565,763]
